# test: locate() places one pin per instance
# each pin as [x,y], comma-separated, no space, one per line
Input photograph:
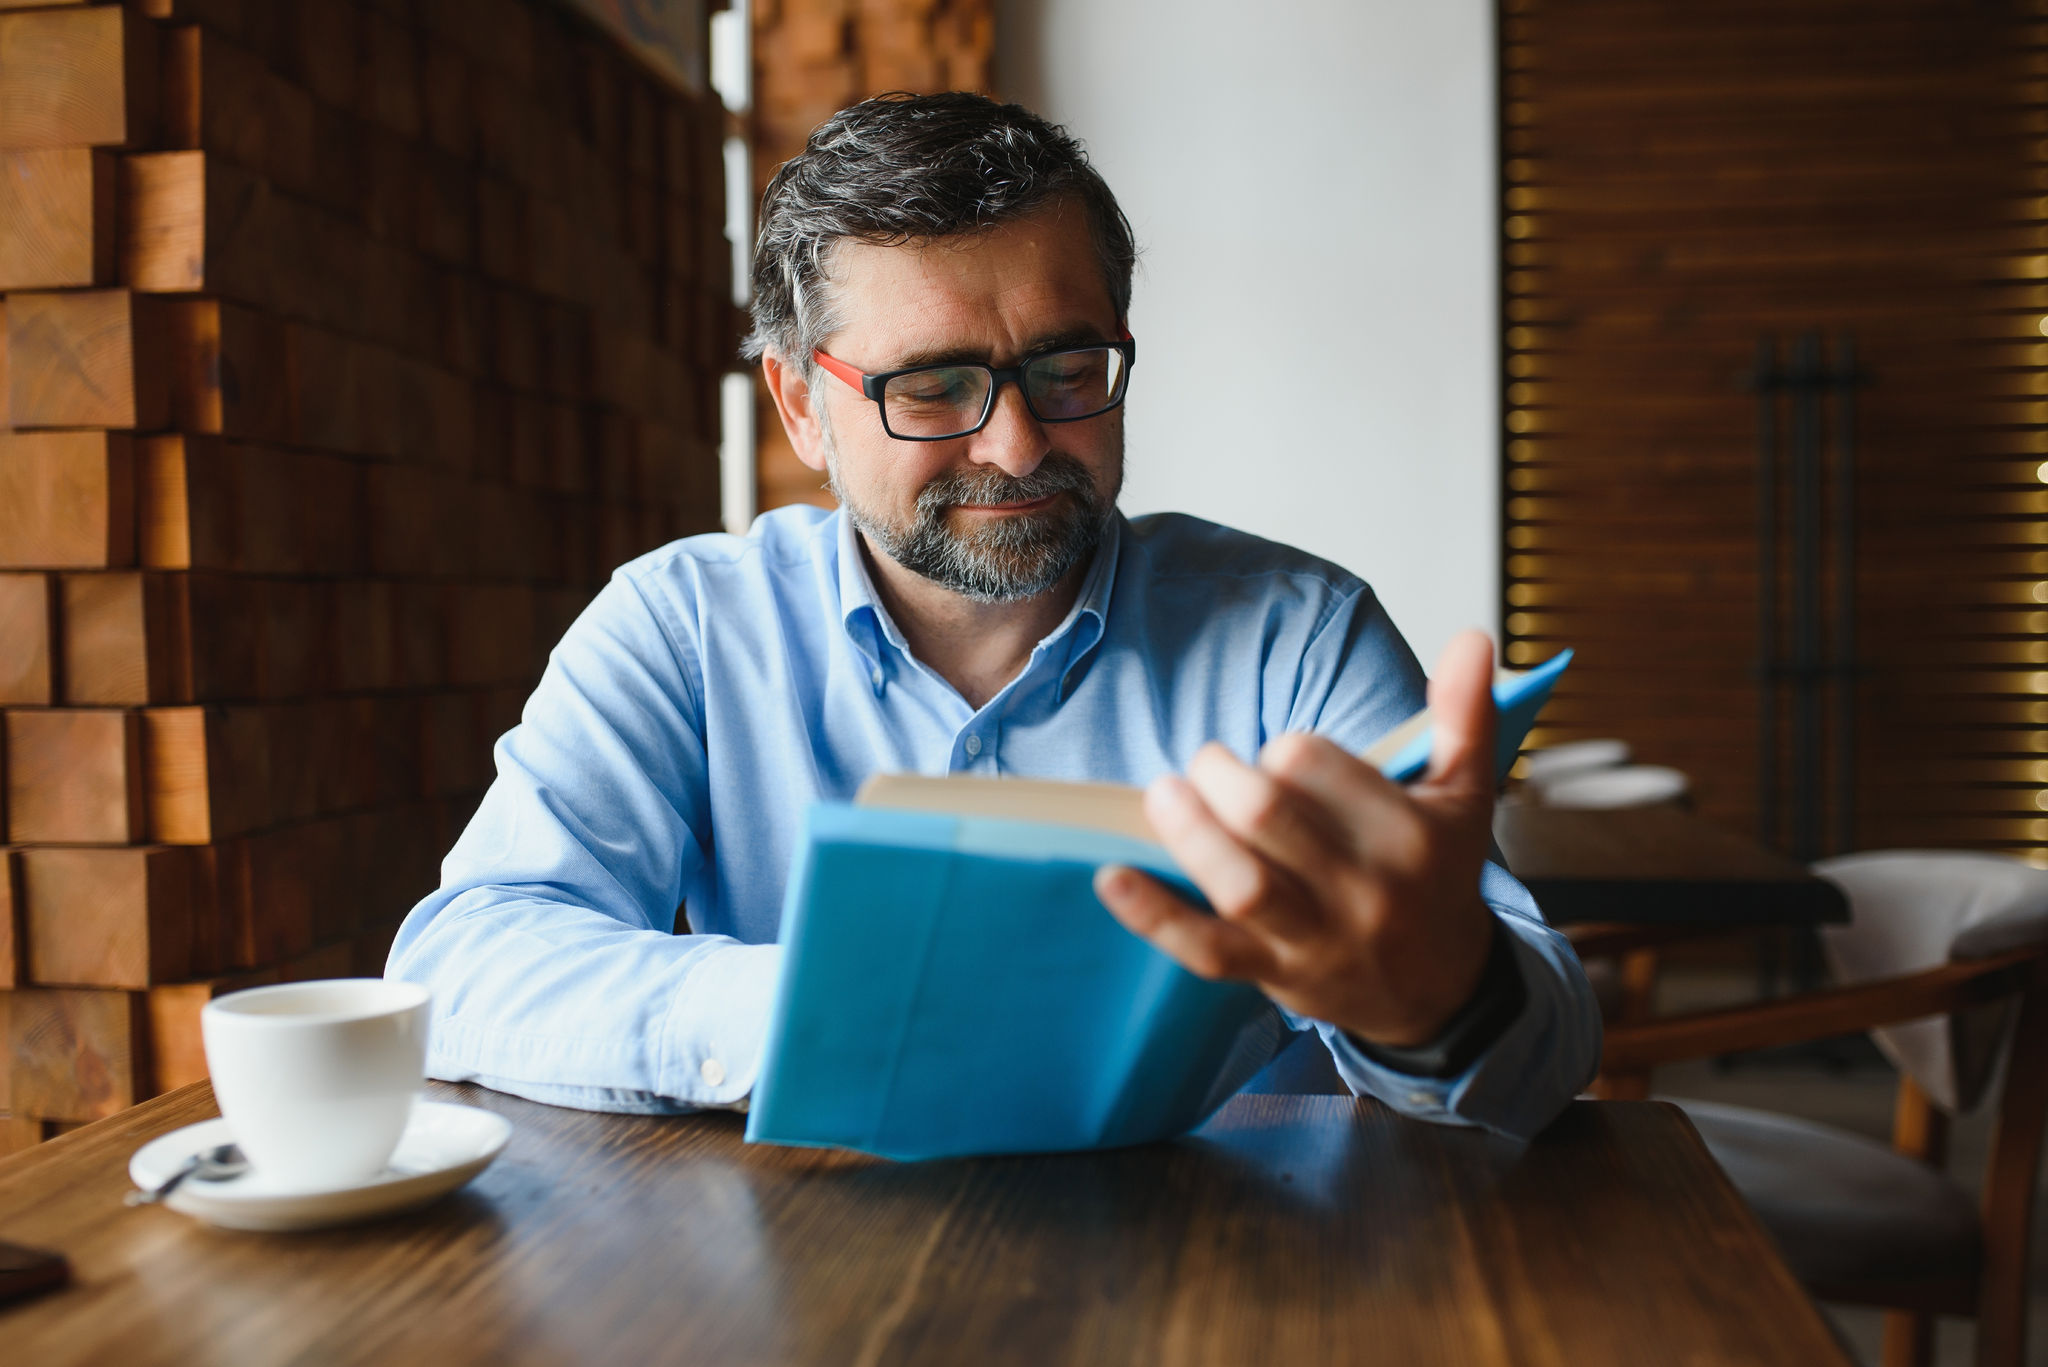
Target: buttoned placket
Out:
[1055,666]
[976,746]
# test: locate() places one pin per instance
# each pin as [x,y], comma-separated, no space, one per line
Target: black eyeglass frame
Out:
[871,386]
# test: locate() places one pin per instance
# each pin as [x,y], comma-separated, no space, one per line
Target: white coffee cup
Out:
[317,1079]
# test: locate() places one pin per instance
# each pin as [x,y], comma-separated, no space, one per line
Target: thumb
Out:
[1463,718]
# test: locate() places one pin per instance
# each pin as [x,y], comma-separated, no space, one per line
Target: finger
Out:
[1243,886]
[1354,799]
[1204,945]
[1463,718]
[1272,816]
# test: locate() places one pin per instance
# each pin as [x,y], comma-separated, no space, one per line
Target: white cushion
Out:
[1912,910]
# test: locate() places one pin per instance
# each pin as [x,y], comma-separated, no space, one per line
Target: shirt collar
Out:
[1090,618]
[867,623]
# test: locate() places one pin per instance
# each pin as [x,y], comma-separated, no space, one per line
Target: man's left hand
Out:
[1344,896]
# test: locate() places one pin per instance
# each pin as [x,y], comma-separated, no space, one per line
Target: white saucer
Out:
[444,1145]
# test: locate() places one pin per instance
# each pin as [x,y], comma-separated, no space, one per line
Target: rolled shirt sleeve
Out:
[550,946]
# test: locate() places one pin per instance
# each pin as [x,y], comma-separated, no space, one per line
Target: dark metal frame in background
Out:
[1816,664]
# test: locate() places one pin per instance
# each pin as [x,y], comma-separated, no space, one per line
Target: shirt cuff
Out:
[1544,1057]
[1497,1000]
[717,1024]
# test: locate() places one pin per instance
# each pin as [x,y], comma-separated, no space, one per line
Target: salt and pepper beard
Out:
[1011,558]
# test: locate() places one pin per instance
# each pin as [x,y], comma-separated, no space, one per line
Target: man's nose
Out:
[1014,441]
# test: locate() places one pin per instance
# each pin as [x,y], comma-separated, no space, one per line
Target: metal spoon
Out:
[216,1164]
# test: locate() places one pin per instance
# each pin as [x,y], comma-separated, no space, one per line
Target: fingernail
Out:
[1113,883]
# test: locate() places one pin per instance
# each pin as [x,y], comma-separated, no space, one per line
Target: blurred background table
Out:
[1290,1229]
[1625,883]
[1657,866]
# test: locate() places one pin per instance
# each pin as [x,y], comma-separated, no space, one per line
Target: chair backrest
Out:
[1628,785]
[1916,909]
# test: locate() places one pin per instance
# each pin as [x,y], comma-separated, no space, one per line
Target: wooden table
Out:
[1297,1230]
[1657,866]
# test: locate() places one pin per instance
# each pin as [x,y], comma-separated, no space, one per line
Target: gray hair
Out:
[899,169]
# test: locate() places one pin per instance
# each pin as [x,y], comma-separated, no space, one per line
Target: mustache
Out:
[1056,474]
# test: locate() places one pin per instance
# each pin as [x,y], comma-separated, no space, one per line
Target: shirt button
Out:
[974,745]
[1417,1099]
[712,1071]
[875,678]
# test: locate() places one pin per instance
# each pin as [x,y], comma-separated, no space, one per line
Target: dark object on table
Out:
[1657,866]
[26,1272]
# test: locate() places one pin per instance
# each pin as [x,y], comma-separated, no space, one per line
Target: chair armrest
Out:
[1819,1015]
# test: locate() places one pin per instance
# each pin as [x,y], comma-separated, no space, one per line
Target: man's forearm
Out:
[574,1007]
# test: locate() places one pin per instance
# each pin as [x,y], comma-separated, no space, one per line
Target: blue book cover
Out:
[952,986]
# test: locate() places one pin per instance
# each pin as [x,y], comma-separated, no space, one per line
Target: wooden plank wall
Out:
[1679,181]
[349,345]
[812,58]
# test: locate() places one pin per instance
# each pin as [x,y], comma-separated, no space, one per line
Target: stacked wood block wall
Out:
[812,58]
[348,347]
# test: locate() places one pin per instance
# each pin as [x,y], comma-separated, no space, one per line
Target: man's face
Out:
[1004,513]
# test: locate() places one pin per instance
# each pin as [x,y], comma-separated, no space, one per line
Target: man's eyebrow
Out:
[1080,335]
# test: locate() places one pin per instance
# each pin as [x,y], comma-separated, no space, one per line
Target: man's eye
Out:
[933,387]
[1069,372]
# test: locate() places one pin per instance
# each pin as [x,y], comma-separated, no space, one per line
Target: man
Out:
[941,292]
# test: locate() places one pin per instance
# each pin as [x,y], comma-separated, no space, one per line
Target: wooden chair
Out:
[1621,962]
[1945,961]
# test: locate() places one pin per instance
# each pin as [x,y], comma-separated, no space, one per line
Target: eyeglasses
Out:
[938,402]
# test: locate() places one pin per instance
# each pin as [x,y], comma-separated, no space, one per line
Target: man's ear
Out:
[795,403]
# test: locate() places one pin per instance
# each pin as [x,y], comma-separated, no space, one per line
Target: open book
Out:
[952,986]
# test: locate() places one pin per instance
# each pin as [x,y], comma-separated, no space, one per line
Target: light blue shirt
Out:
[718,685]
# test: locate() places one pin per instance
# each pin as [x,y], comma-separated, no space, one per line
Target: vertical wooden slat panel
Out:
[1681,182]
